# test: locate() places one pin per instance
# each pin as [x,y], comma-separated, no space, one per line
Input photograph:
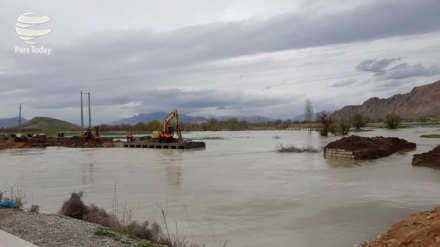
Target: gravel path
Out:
[50,230]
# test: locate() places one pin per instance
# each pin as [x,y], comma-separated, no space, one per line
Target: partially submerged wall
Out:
[365,148]
[339,154]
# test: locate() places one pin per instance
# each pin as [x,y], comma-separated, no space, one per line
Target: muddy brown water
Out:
[238,190]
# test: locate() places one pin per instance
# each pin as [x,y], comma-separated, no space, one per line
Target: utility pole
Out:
[90,112]
[82,111]
[19,118]
[82,115]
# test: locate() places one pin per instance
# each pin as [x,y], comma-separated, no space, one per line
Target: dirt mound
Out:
[370,147]
[56,143]
[420,229]
[15,145]
[75,143]
[429,159]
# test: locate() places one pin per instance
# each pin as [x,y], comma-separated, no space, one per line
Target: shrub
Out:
[359,120]
[392,120]
[74,207]
[34,209]
[294,149]
[100,216]
[15,194]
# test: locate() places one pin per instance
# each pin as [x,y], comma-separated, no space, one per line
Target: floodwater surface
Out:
[239,189]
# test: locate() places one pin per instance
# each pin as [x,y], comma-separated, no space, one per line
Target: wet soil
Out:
[55,143]
[429,159]
[419,230]
[15,145]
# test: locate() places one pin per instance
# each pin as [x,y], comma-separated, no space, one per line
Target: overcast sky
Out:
[215,57]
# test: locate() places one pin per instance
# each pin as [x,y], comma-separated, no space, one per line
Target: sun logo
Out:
[25,27]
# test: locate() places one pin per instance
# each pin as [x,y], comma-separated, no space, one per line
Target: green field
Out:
[431,136]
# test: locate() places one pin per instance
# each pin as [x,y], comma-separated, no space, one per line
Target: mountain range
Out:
[160,116]
[11,122]
[422,101]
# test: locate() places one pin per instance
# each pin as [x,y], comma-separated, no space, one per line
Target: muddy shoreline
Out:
[420,229]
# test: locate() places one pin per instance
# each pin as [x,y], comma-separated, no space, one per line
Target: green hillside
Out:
[46,123]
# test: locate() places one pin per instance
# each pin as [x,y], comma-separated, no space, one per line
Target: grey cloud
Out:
[199,99]
[383,69]
[130,54]
[154,99]
[402,71]
[376,66]
[147,50]
[126,66]
[343,83]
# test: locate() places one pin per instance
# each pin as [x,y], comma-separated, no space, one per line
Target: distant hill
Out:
[251,119]
[11,122]
[302,117]
[46,123]
[159,116]
[423,101]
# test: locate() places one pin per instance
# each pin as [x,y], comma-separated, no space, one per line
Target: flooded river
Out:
[239,189]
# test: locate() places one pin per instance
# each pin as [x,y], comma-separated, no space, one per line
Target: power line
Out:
[279,83]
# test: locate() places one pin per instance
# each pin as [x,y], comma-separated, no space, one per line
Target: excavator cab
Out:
[171,129]
[92,133]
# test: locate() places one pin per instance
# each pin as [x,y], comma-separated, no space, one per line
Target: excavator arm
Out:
[167,132]
[168,119]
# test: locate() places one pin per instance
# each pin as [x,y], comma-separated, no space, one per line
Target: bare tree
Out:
[325,119]
[345,123]
[308,113]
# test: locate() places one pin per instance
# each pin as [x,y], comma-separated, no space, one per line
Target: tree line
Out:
[342,123]
[231,124]
[323,121]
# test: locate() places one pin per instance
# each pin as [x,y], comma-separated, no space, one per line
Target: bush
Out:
[15,194]
[34,209]
[392,120]
[74,207]
[359,120]
[294,149]
[100,216]
[143,231]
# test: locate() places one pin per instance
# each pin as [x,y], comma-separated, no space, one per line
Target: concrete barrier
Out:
[9,240]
